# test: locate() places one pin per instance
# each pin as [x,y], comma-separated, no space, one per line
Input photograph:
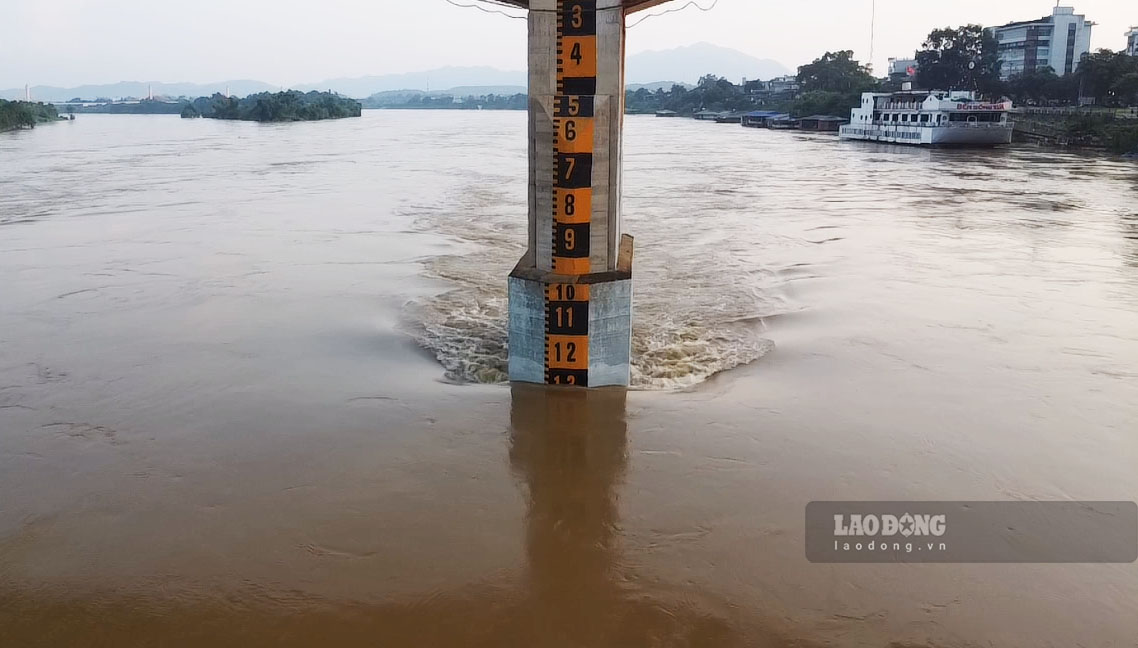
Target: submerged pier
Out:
[571,294]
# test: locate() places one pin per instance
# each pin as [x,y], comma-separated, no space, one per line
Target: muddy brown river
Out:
[252,388]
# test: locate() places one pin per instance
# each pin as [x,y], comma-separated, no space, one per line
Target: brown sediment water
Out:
[247,388]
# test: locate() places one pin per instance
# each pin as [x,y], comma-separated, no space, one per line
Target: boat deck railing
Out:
[947,124]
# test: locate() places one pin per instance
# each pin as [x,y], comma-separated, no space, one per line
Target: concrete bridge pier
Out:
[571,294]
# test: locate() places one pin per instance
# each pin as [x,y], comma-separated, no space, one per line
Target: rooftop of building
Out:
[1045,20]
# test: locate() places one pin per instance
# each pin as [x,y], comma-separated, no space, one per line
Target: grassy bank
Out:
[1081,129]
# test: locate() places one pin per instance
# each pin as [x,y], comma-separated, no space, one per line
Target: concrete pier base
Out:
[543,347]
[571,295]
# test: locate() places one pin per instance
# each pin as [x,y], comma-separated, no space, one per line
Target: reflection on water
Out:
[568,450]
[571,450]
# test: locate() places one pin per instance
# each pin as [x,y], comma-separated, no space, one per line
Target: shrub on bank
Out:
[24,114]
[1119,136]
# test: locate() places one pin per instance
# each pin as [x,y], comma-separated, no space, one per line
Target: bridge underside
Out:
[630,6]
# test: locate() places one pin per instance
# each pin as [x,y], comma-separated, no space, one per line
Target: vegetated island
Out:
[26,114]
[288,106]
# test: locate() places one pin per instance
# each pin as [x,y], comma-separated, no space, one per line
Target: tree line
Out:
[966,58]
[24,114]
[831,85]
[961,58]
[291,105]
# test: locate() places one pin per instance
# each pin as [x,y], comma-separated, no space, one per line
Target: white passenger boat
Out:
[930,118]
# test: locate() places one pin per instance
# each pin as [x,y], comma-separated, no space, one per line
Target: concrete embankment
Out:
[1113,130]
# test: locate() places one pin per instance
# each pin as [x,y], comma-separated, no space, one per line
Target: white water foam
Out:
[698,306]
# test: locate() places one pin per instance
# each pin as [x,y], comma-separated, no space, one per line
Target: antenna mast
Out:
[872,31]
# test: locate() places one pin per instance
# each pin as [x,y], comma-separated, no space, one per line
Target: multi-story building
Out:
[1132,41]
[783,86]
[1058,41]
[902,69]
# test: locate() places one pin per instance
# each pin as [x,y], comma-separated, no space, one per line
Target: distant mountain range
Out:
[683,65]
[657,85]
[689,63]
[430,80]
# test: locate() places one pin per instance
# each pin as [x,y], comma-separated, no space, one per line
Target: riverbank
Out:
[15,115]
[1114,131]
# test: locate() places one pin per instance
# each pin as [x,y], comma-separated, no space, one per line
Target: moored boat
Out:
[729,118]
[929,118]
[761,118]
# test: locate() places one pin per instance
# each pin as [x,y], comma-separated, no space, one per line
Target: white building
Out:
[902,69]
[783,84]
[1132,41]
[1058,41]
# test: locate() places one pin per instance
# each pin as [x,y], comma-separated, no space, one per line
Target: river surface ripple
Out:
[247,388]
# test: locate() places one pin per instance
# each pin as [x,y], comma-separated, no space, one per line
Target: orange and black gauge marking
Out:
[567,334]
[574,121]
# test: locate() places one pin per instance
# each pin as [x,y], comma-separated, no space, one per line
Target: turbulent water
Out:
[241,396]
[700,299]
[713,209]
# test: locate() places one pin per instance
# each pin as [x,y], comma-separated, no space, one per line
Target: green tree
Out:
[23,114]
[824,102]
[281,106]
[1126,88]
[964,58]
[831,85]
[1042,87]
[1105,76]
[836,72]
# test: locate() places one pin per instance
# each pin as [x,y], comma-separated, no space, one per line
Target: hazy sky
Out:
[73,42]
